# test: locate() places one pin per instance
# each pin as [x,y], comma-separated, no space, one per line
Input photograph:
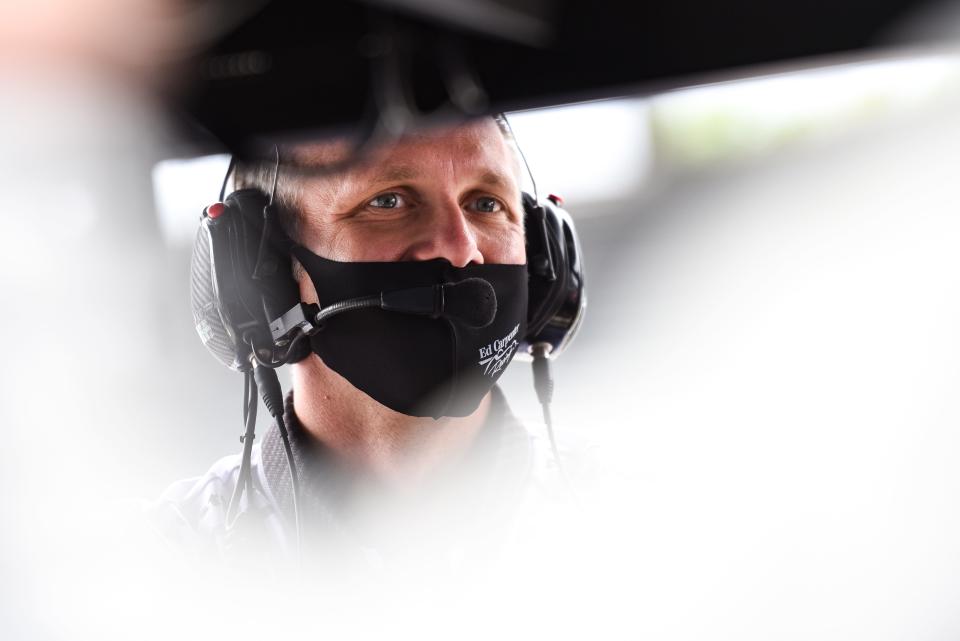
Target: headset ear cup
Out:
[556,281]
[208,285]
[271,274]
[543,260]
[240,279]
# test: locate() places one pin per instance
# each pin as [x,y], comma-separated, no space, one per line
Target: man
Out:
[375,480]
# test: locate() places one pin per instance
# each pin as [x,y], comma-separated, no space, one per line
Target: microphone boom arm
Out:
[430,300]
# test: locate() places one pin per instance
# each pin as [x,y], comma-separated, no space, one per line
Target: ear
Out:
[308,293]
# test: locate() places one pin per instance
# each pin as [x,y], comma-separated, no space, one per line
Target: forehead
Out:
[464,152]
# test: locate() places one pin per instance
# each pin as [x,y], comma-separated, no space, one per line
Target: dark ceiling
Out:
[298,68]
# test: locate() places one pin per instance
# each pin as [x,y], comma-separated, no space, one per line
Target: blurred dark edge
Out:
[295,70]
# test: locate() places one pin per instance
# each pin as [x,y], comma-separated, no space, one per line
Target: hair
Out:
[259,173]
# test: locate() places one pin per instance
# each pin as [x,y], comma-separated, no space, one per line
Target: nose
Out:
[445,232]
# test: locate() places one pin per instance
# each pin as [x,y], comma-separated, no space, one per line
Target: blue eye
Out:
[386,201]
[487,205]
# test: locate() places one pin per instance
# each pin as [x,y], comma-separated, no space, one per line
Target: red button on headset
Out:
[214,210]
[556,200]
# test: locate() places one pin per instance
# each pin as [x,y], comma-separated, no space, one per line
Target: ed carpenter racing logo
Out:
[496,355]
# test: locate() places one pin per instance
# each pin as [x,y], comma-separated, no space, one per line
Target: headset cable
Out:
[266,379]
[543,384]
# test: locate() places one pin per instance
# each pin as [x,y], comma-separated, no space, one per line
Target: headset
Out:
[247,309]
[242,281]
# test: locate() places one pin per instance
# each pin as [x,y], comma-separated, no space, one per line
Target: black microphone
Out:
[471,302]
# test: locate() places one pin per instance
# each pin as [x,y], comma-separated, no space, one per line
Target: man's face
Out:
[450,194]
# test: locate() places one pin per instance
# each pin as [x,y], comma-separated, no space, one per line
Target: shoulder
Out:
[191,514]
[193,509]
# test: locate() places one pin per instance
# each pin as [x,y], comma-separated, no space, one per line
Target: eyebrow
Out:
[495,179]
[395,174]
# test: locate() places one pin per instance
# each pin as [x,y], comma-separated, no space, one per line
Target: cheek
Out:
[503,246]
[369,247]
[356,243]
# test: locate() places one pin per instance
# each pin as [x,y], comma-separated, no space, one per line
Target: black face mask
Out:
[416,365]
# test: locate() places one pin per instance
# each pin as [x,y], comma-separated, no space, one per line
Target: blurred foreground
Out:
[760,410]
